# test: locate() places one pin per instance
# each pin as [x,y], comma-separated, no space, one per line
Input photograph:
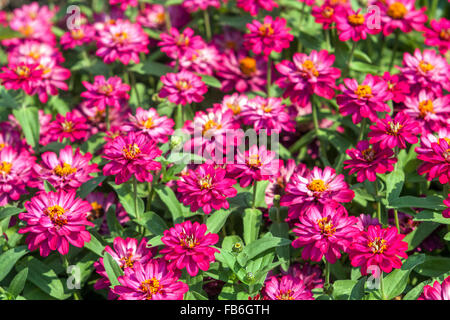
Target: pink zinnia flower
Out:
[241,72]
[187,245]
[153,16]
[426,70]
[363,100]
[77,37]
[71,126]
[394,132]
[353,25]
[431,111]
[438,35]
[269,114]
[272,35]
[204,60]
[286,288]
[150,281]
[435,154]
[325,232]
[22,76]
[206,187]
[437,292]
[254,165]
[235,102]
[325,14]
[122,41]
[54,220]
[253,6]
[124,3]
[15,173]
[397,86]
[308,75]
[195,5]
[53,78]
[131,155]
[366,220]
[315,188]
[102,92]
[401,14]
[284,174]
[378,247]
[177,44]
[311,275]
[31,51]
[157,128]
[367,161]
[68,171]
[126,252]
[183,87]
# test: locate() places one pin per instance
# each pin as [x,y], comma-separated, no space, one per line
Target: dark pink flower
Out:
[53,78]
[286,288]
[195,5]
[77,37]
[253,6]
[402,14]
[206,187]
[150,281]
[131,155]
[446,212]
[325,232]
[437,292]
[378,247]
[353,25]
[124,3]
[153,16]
[435,154]
[71,126]
[187,245]
[55,220]
[277,186]
[308,75]
[23,76]
[363,100]
[177,44]
[397,86]
[104,92]
[394,132]
[366,220]
[183,87]
[438,35]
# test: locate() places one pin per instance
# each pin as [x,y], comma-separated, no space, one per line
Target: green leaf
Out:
[364,67]
[155,242]
[94,244]
[415,292]
[430,202]
[211,81]
[168,197]
[342,289]
[151,68]
[8,33]
[18,283]
[283,253]
[28,119]
[9,258]
[362,56]
[252,223]
[114,225]
[419,234]
[394,185]
[126,198]
[259,246]
[431,216]
[112,269]
[48,187]
[153,222]
[357,292]
[447,236]
[89,186]
[217,220]
[434,266]
[7,99]
[6,212]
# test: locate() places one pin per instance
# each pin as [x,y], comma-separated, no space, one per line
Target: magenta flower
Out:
[269,114]
[426,70]
[367,161]
[31,51]
[235,102]
[55,220]
[206,187]
[153,16]
[254,165]
[284,174]
[77,37]
[102,92]
[253,6]
[157,128]
[363,100]
[307,189]
[122,41]
[272,35]
[394,132]
[71,126]
[401,14]
[326,13]
[437,291]
[53,78]
[126,252]
[378,247]
[435,154]
[366,220]
[177,44]
[241,72]
[23,76]
[325,232]
[195,5]
[311,275]
[15,173]
[353,25]
[308,75]
[204,61]
[286,288]
[446,212]
[150,281]
[187,245]
[131,155]
[397,86]
[183,87]
[438,35]
[124,3]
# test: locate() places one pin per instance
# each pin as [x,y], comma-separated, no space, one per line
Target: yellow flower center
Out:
[363,91]
[425,66]
[394,128]
[317,185]
[160,18]
[5,167]
[23,71]
[310,67]
[65,170]
[328,12]
[210,124]
[56,215]
[26,30]
[97,210]
[248,66]
[254,161]
[235,107]
[2,145]
[368,154]
[326,226]
[77,34]
[148,123]
[378,245]
[127,261]
[445,35]
[285,295]
[205,183]
[120,37]
[183,85]
[131,151]
[425,107]
[397,10]
[34,55]
[356,19]
[266,30]
[188,241]
[266,108]
[105,89]
[150,287]
[67,126]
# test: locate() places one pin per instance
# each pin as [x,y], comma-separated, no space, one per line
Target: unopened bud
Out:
[237,248]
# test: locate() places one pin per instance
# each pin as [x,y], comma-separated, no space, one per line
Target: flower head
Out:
[438,35]
[102,92]
[439,291]
[71,126]
[183,87]
[353,25]
[286,288]
[253,6]
[402,14]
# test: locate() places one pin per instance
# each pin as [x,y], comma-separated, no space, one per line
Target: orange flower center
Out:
[425,66]
[23,71]
[425,107]
[131,151]
[326,226]
[248,66]
[67,126]
[34,55]
[183,85]
[56,215]
[356,19]
[160,18]
[26,30]
[328,12]
[127,261]
[309,66]
[397,10]
[363,91]
[150,287]
[254,161]
[5,167]
[378,245]
[266,108]
[120,37]
[368,154]
[97,210]
[148,123]
[266,30]
[445,35]
[394,128]
[2,145]
[235,107]
[182,40]
[285,295]
[210,124]
[205,182]
[317,185]
[65,170]
[77,34]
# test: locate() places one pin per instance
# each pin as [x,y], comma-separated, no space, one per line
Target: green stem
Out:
[167,18]
[433,8]
[363,129]
[108,122]
[254,195]
[302,14]
[327,38]
[446,190]
[397,224]
[207,25]
[383,296]
[269,74]
[135,196]
[133,84]
[179,117]
[150,194]
[382,44]
[378,202]
[350,57]
[391,64]
[327,285]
